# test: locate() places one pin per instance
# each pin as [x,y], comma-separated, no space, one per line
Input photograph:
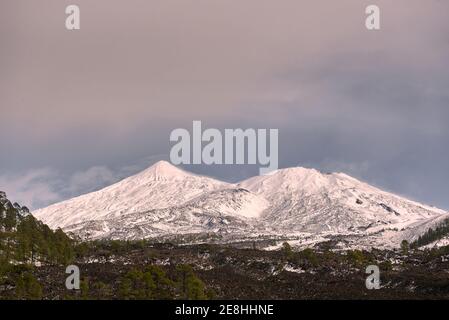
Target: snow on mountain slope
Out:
[310,201]
[160,186]
[305,203]
[236,201]
[183,220]
[221,211]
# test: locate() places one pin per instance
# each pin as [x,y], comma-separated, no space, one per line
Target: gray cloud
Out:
[92,178]
[31,188]
[40,187]
[87,104]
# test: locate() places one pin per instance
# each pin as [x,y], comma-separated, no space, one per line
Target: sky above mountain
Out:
[83,109]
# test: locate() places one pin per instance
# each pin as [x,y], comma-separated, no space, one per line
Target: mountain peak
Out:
[296,171]
[163,170]
[305,178]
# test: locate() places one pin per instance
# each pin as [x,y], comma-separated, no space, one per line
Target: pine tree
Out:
[405,247]
[84,287]
[287,250]
[27,287]
[191,287]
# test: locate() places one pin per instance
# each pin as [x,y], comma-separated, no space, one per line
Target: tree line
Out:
[432,235]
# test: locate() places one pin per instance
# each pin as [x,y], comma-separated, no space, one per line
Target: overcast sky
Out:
[81,109]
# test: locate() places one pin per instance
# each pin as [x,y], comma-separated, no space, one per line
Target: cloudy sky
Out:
[81,109]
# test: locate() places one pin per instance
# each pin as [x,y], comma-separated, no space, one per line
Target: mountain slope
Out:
[229,210]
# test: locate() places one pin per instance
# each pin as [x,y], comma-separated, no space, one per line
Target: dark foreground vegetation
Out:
[33,261]
[140,270]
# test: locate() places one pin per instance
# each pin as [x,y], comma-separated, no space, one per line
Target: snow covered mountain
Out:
[305,204]
[334,204]
[308,200]
[160,186]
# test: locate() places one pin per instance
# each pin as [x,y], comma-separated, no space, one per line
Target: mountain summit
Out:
[304,204]
[163,170]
